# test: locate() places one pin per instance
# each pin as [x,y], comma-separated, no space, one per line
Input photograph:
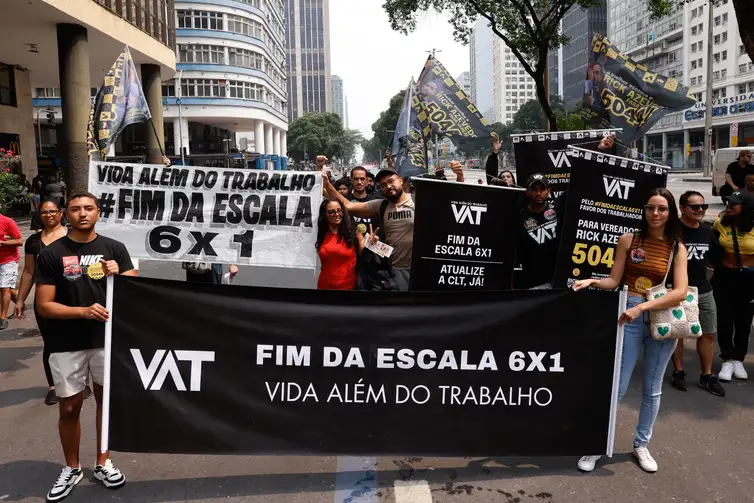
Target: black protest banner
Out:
[253,372]
[621,93]
[605,200]
[464,236]
[209,214]
[548,153]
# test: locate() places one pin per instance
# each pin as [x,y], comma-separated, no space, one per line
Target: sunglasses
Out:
[698,207]
[332,213]
[651,208]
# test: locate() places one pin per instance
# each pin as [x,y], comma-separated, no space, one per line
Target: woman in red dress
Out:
[338,246]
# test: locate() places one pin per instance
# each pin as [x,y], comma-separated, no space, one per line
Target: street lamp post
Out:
[179,93]
[707,158]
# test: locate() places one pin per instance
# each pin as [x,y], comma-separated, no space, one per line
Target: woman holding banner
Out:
[641,262]
[338,245]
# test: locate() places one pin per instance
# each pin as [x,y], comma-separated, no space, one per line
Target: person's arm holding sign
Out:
[354,208]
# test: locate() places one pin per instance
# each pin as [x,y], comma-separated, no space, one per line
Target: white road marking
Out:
[412,491]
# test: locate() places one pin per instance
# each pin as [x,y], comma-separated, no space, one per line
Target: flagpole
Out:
[159,144]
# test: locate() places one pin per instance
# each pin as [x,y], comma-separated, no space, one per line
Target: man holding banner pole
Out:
[71,293]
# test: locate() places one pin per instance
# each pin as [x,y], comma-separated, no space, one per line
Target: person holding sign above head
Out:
[642,260]
[538,236]
[338,245]
[697,237]
[71,292]
[732,255]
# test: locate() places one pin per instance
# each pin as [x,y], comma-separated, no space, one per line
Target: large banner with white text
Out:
[237,216]
[243,370]
[606,200]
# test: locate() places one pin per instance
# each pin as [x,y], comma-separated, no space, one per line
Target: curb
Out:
[700,179]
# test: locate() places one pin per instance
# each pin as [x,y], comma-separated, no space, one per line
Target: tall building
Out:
[579,25]
[480,75]
[512,85]
[52,53]
[308,46]
[677,46]
[464,81]
[231,77]
[339,100]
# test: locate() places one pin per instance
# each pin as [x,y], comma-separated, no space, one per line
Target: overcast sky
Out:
[375,62]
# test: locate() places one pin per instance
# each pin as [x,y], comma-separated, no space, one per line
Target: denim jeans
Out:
[656,357]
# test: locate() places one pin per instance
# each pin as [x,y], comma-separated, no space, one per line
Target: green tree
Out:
[383,129]
[316,133]
[351,139]
[531,28]
[531,117]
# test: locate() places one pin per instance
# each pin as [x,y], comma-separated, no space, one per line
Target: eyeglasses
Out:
[49,212]
[698,207]
[332,213]
[651,208]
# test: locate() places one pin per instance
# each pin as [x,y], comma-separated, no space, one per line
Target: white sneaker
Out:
[110,476]
[646,461]
[587,463]
[739,372]
[68,479]
[726,372]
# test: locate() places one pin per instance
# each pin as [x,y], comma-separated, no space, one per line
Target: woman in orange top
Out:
[337,246]
[641,260]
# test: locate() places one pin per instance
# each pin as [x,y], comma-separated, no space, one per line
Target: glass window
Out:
[7,85]
[200,20]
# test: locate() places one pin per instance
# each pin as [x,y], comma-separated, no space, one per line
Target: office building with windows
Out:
[308,53]
[677,46]
[572,59]
[512,85]
[339,101]
[53,52]
[481,79]
[231,78]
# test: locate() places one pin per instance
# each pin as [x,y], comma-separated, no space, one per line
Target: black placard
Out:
[548,153]
[201,368]
[463,236]
[605,200]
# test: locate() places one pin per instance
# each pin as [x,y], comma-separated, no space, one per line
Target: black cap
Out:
[741,197]
[537,178]
[385,172]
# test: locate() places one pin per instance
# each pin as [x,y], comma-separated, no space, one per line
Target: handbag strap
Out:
[670,264]
[736,249]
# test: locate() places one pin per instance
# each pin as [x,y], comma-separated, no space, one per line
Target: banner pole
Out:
[108,355]
[159,143]
[622,302]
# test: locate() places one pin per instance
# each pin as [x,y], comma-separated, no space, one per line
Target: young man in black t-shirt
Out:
[373,269]
[697,237]
[538,236]
[71,292]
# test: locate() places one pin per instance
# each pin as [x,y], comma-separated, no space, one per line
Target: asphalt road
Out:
[702,443]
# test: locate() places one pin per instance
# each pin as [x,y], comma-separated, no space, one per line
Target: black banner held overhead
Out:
[250,371]
[620,92]
[605,200]
[548,153]
[463,236]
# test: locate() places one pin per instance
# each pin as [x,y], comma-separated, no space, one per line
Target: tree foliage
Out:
[383,128]
[530,28]
[317,133]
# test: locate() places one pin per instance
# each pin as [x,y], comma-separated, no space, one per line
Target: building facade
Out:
[231,77]
[579,25]
[677,46]
[308,57]
[339,101]
[480,76]
[512,85]
[53,52]
[464,81]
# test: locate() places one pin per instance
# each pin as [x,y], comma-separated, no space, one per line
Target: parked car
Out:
[720,162]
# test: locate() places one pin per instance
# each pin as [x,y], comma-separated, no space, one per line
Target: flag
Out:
[411,136]
[621,93]
[449,110]
[120,101]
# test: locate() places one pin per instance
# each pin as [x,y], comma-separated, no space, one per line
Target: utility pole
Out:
[707,156]
[433,52]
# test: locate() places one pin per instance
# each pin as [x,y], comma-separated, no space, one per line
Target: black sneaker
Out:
[111,477]
[51,398]
[68,479]
[3,324]
[678,381]
[711,384]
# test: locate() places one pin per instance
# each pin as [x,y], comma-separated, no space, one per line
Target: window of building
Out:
[742,68]
[246,90]
[700,62]
[724,56]
[211,54]
[199,19]
[741,50]
[694,30]
[716,75]
[723,73]
[717,20]
[725,36]
[693,65]
[245,26]
[716,56]
[693,81]
[7,85]
[725,18]
[751,87]
[47,92]
[698,96]
[168,88]
[246,58]
[717,39]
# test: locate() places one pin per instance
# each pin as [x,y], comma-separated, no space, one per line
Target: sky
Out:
[376,62]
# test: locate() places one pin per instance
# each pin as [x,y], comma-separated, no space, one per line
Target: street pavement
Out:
[702,443]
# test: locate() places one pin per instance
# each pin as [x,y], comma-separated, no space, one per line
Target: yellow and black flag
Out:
[411,138]
[120,101]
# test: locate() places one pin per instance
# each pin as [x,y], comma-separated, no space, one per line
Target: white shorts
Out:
[69,370]
[8,275]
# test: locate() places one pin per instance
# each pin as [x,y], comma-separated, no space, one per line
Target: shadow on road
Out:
[13,397]
[12,359]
